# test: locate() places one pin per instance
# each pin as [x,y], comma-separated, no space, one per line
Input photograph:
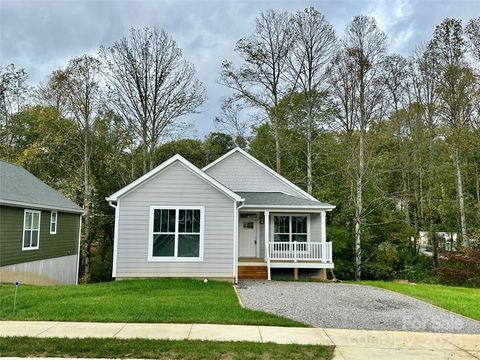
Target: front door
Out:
[247,238]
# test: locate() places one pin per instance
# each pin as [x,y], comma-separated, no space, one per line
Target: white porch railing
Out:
[300,251]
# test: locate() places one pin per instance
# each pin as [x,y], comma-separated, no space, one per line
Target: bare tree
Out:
[81,80]
[151,85]
[14,92]
[233,122]
[314,46]
[356,80]
[261,81]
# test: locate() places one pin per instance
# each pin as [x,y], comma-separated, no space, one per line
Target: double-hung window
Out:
[176,233]
[53,222]
[31,229]
[288,228]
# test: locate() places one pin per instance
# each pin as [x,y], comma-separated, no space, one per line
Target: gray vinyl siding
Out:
[239,173]
[175,186]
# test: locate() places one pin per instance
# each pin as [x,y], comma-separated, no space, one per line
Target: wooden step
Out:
[252,272]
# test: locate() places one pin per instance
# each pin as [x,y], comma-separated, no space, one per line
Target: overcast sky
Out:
[42,36]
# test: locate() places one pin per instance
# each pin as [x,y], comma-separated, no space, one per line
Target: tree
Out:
[356,81]
[217,144]
[232,122]
[457,91]
[261,81]
[313,49]
[53,92]
[14,92]
[82,83]
[150,85]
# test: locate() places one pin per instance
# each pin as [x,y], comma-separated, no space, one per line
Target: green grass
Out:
[157,349]
[159,301]
[464,301]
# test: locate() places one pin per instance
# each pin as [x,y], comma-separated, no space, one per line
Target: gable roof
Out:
[278,199]
[166,164]
[261,165]
[18,187]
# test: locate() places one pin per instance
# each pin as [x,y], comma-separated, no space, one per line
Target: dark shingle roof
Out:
[17,185]
[278,199]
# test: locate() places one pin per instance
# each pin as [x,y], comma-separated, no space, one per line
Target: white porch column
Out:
[267,240]
[323,227]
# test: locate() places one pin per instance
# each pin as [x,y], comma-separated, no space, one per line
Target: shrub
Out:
[459,268]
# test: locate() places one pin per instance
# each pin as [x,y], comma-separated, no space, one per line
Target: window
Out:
[31,230]
[176,233]
[288,228]
[248,225]
[53,222]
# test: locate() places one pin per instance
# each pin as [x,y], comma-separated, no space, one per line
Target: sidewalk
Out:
[350,344]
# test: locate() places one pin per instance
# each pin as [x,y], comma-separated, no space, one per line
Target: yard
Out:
[160,301]
[158,349]
[463,301]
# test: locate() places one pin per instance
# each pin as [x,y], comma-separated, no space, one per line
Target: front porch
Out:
[282,237]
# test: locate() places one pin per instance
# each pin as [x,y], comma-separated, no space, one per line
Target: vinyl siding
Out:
[174,186]
[239,173]
[63,243]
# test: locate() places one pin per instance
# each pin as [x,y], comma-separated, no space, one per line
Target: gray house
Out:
[39,230]
[236,218]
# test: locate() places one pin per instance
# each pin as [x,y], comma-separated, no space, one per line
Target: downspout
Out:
[115,238]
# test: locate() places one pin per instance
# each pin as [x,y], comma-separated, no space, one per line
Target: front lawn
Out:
[464,301]
[157,301]
[157,349]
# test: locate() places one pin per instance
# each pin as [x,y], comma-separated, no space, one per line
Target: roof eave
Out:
[40,206]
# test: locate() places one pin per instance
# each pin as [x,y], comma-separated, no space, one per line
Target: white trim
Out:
[78,249]
[52,222]
[301,265]
[263,166]
[115,237]
[175,258]
[163,166]
[235,241]
[288,207]
[39,207]
[272,220]
[23,235]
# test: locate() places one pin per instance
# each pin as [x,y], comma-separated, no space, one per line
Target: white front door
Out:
[247,238]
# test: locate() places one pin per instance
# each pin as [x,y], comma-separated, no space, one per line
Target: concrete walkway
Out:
[350,344]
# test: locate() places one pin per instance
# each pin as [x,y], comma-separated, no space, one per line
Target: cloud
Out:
[42,36]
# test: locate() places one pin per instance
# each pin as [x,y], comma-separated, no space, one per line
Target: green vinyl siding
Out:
[63,243]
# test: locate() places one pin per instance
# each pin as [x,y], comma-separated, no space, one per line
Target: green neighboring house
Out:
[39,230]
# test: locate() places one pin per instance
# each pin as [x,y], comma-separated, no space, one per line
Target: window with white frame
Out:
[287,228]
[176,233]
[31,229]
[53,222]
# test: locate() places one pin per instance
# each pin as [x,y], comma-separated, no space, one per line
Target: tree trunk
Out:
[359,207]
[477,183]
[87,203]
[278,151]
[309,159]
[461,203]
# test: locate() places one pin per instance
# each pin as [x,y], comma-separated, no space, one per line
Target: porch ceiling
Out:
[279,199]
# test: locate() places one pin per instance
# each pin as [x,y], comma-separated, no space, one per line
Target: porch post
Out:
[323,239]
[323,226]
[267,240]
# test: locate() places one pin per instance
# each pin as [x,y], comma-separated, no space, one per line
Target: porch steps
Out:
[252,273]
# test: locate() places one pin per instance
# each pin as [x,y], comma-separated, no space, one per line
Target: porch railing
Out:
[300,251]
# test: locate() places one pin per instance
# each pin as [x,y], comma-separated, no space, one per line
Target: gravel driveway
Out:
[347,306]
